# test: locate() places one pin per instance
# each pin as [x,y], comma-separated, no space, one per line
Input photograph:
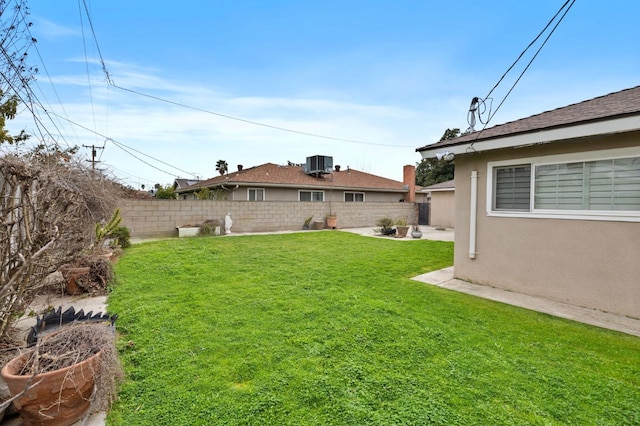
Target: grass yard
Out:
[326,328]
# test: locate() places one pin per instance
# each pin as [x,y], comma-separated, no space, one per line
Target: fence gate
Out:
[423,213]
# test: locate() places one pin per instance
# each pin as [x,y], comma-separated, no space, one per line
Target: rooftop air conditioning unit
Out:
[318,165]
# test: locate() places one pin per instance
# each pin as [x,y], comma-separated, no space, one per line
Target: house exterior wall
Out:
[291,194]
[591,263]
[442,209]
[158,218]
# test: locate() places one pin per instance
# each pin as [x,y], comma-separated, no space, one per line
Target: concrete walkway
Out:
[444,278]
[428,233]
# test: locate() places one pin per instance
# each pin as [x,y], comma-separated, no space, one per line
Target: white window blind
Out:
[512,187]
[607,185]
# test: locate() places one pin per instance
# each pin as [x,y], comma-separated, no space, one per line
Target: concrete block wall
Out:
[156,218]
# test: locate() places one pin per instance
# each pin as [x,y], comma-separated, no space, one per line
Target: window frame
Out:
[264,194]
[581,157]
[354,193]
[311,192]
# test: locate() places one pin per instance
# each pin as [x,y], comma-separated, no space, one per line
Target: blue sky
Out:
[391,74]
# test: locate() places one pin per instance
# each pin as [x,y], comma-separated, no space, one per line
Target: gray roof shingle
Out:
[614,105]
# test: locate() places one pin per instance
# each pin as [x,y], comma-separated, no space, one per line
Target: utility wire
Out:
[243,120]
[93,31]
[530,62]
[86,62]
[570,4]
[530,44]
[126,148]
[256,123]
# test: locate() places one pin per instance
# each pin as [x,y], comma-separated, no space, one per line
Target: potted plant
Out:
[416,232]
[402,228]
[307,223]
[87,273]
[60,373]
[332,221]
[385,226]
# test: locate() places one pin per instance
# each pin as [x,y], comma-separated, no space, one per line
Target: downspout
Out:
[229,190]
[473,214]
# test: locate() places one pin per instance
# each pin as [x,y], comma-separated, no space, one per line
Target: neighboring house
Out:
[273,182]
[442,203]
[549,205]
[183,183]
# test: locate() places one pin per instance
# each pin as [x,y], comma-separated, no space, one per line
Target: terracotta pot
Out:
[332,222]
[62,397]
[401,231]
[71,275]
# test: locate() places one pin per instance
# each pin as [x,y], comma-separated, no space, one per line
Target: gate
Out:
[423,213]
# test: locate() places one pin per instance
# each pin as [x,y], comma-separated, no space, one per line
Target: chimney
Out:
[337,167]
[240,167]
[409,180]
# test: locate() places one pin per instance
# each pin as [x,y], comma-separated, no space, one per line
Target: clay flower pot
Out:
[401,231]
[71,275]
[332,222]
[61,398]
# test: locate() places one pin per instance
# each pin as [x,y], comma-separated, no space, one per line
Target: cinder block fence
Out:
[156,218]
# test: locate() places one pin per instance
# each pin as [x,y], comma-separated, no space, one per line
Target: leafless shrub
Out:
[49,206]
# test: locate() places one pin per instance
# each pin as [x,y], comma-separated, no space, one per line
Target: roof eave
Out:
[292,186]
[595,128]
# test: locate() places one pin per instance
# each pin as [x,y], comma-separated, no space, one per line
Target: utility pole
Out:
[93,155]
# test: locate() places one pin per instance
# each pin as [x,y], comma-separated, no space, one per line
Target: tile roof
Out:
[270,174]
[613,105]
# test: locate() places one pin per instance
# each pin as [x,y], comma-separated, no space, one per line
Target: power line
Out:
[127,148]
[256,123]
[86,62]
[229,117]
[477,103]
[529,46]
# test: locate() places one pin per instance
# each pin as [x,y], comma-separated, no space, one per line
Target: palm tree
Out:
[222,167]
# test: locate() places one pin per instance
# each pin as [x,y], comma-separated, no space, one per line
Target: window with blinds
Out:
[357,197]
[512,188]
[310,195]
[605,185]
[256,194]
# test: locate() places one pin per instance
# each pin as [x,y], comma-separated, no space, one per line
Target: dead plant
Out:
[49,206]
[74,343]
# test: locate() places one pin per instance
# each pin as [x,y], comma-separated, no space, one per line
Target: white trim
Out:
[618,125]
[605,154]
[440,190]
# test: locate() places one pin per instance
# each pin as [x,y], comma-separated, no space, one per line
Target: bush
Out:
[121,237]
[385,222]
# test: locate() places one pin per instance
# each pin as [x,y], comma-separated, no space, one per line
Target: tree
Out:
[15,40]
[430,171]
[222,167]
[165,192]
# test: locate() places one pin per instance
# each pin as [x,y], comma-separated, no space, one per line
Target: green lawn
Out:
[327,328]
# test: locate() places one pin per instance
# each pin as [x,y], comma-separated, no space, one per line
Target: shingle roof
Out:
[613,105]
[450,184]
[270,174]
[181,183]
